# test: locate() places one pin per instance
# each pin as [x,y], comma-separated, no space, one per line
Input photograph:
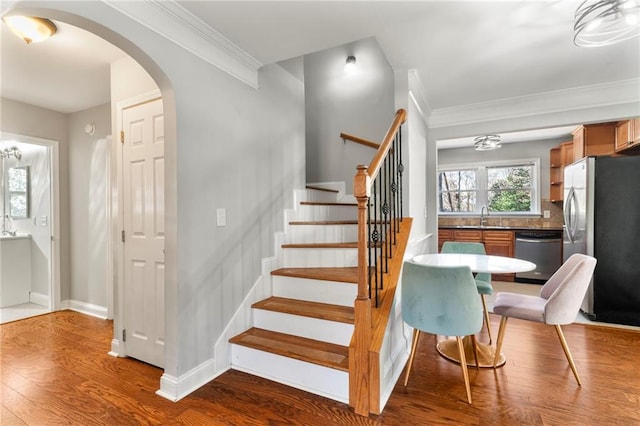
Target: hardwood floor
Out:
[55,370]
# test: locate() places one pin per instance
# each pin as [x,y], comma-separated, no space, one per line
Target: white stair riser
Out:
[319,257]
[311,328]
[327,382]
[314,212]
[321,196]
[322,233]
[332,292]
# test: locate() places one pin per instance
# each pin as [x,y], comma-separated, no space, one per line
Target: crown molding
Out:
[599,95]
[172,21]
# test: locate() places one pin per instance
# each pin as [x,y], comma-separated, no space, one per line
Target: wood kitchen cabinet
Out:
[559,157]
[497,243]
[594,139]
[627,135]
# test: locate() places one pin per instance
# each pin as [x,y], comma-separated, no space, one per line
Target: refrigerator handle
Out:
[570,215]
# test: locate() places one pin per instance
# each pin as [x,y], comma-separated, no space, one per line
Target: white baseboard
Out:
[175,388]
[39,298]
[116,349]
[85,308]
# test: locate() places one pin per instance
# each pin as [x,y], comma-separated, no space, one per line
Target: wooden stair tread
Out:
[325,222]
[327,203]
[325,311]
[321,245]
[319,188]
[300,348]
[346,275]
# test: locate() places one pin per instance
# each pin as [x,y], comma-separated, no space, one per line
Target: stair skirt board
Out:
[332,292]
[319,257]
[311,328]
[316,379]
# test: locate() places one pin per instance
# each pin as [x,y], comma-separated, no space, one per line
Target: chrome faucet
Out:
[483,218]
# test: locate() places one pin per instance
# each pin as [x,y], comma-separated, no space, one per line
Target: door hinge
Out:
[123,235]
[124,335]
[122,136]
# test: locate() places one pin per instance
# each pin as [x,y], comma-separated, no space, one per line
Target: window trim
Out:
[482,190]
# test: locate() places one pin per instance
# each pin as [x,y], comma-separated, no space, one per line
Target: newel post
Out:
[359,380]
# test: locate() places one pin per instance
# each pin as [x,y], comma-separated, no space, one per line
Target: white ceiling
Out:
[465,52]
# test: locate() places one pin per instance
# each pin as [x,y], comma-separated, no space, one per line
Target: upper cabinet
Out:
[594,139]
[559,157]
[627,134]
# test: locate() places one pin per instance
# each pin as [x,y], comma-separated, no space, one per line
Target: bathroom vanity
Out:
[15,269]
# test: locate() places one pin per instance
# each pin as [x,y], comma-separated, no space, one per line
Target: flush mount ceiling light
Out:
[487,143]
[351,64]
[31,29]
[604,22]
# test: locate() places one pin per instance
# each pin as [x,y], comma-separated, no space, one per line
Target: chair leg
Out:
[503,326]
[474,344]
[414,345]
[486,317]
[567,353]
[463,364]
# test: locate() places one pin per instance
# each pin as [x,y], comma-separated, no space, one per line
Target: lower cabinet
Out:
[497,243]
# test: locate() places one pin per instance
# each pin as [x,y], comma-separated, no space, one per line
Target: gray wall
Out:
[227,145]
[361,104]
[88,161]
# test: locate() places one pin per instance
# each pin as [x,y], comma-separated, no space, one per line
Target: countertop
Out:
[502,228]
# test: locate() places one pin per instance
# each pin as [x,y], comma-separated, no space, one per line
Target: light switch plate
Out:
[546,214]
[221,217]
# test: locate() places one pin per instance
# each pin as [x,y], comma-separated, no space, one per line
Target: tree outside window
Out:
[504,187]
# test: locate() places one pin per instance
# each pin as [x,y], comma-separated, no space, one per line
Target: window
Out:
[504,187]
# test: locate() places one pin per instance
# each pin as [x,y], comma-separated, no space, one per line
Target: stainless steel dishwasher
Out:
[542,247]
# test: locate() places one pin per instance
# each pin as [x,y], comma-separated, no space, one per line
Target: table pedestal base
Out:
[449,349]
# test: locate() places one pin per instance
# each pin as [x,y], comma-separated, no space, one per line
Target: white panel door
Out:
[143,217]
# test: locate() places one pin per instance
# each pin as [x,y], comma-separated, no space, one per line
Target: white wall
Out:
[88,162]
[360,104]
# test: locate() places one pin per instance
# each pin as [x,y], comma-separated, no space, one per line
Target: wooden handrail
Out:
[375,164]
[361,141]
[360,367]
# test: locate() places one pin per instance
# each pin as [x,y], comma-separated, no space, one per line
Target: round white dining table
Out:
[477,263]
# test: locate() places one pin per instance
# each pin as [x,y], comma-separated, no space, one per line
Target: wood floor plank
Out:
[55,369]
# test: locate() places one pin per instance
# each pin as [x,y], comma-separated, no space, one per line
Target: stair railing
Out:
[378,191]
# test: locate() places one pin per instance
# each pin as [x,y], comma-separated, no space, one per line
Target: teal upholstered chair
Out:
[441,300]
[483,280]
[558,303]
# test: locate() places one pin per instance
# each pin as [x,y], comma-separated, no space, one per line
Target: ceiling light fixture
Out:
[604,22]
[487,143]
[31,29]
[351,64]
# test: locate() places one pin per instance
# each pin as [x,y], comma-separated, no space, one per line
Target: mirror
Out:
[18,191]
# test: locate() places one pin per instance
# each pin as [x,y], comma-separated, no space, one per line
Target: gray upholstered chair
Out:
[441,300]
[558,304]
[483,279]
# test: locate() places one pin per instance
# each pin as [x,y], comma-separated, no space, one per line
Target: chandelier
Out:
[487,142]
[605,22]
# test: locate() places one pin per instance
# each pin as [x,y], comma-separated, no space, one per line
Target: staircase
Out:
[301,334]
[340,257]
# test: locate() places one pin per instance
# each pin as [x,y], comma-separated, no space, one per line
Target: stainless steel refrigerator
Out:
[602,219]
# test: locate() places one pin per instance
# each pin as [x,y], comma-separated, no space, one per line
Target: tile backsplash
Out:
[554,221]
